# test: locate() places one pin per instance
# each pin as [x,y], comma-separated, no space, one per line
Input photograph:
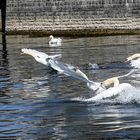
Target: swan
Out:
[39,56]
[134,60]
[109,88]
[54,41]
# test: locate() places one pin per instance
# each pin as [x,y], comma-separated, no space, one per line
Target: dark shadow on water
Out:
[4,42]
[4,60]
[4,68]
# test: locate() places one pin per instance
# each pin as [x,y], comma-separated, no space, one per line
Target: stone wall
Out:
[63,16]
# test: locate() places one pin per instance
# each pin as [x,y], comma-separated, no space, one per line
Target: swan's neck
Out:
[134,56]
[51,37]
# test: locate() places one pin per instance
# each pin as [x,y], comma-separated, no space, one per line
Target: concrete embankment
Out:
[70,17]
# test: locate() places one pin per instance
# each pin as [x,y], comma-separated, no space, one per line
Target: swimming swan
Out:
[134,60]
[109,88]
[54,41]
[39,56]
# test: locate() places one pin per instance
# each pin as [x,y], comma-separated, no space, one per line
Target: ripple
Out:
[38,104]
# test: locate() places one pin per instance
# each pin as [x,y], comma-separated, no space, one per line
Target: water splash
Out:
[122,94]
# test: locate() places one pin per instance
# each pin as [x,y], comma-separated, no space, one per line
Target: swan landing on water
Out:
[108,89]
[112,93]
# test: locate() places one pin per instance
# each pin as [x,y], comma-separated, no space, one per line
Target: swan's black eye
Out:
[38,56]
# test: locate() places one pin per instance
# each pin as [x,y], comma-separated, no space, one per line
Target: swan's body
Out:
[54,41]
[112,91]
[39,56]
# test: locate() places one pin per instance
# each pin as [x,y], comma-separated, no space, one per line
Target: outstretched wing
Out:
[66,69]
[57,56]
[34,53]
[128,74]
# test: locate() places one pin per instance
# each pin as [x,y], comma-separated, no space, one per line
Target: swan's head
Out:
[128,59]
[38,56]
[51,37]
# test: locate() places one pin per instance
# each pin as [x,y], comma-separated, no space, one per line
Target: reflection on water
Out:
[38,104]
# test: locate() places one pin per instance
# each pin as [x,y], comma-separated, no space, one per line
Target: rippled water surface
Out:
[38,104]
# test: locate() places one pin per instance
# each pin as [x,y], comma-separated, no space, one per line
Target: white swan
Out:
[39,56]
[54,41]
[108,89]
[134,60]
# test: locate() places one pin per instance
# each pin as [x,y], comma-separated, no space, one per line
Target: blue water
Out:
[38,104]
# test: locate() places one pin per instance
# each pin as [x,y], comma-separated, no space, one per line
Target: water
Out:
[38,104]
